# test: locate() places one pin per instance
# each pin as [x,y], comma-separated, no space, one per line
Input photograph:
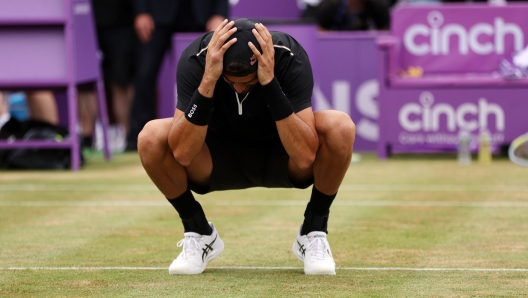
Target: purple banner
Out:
[265,10]
[432,118]
[462,45]
[459,38]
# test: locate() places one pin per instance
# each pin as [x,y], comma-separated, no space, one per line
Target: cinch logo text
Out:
[467,116]
[437,37]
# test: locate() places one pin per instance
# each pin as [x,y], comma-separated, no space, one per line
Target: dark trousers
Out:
[150,57]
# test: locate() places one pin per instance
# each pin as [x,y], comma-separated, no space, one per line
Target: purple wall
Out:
[167,78]
[265,10]
[347,81]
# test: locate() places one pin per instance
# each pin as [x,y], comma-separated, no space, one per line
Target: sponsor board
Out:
[459,38]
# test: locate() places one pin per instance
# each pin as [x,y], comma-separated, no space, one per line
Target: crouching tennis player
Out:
[244,119]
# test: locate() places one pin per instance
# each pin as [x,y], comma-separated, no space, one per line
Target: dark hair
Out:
[237,67]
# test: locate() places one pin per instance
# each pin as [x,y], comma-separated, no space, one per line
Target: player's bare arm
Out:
[297,131]
[185,138]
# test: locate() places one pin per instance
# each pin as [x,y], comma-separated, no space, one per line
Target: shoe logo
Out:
[301,248]
[208,248]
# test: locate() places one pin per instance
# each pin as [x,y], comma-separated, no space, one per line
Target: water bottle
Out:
[464,149]
[18,106]
[484,153]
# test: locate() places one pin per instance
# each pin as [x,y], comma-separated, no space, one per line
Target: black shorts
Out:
[245,166]
[119,47]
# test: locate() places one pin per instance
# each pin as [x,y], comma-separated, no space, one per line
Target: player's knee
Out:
[148,140]
[346,132]
[346,129]
[339,131]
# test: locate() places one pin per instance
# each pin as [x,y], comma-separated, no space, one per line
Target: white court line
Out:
[162,203]
[77,187]
[477,188]
[344,187]
[270,268]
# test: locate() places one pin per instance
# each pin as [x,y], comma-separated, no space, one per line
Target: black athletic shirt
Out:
[255,125]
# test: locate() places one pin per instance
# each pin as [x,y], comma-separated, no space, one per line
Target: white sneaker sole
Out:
[321,271]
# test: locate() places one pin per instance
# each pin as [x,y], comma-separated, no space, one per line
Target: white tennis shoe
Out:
[197,251]
[314,251]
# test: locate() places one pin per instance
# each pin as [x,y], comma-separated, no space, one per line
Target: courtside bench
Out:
[51,45]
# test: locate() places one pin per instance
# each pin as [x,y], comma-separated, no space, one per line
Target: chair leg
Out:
[72,128]
[103,117]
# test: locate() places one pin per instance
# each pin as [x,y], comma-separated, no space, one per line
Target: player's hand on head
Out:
[217,48]
[266,59]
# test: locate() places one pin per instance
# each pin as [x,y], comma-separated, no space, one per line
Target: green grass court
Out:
[410,226]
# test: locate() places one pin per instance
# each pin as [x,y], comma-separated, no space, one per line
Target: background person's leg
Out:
[149,61]
[122,97]
[42,106]
[4,109]
[120,60]
[88,112]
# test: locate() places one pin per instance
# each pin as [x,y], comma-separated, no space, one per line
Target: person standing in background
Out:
[155,23]
[353,15]
[118,43]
